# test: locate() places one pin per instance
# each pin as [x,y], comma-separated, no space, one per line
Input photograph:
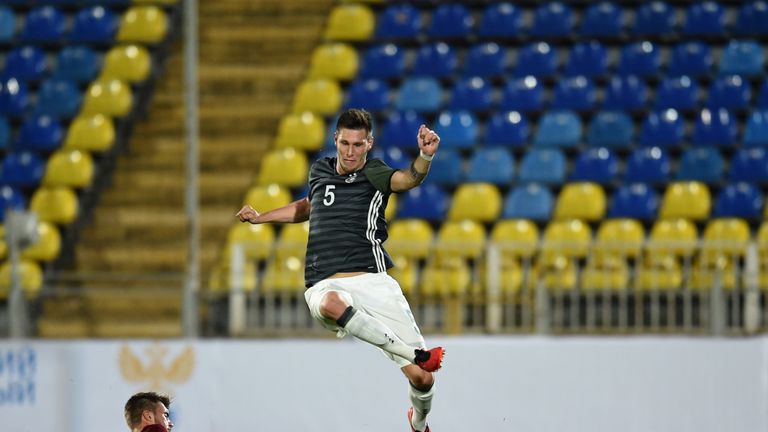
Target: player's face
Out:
[352,146]
[162,416]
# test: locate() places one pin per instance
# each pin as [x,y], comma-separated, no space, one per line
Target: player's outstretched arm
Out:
[414,175]
[297,211]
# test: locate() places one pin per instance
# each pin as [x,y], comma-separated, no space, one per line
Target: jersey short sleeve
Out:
[379,174]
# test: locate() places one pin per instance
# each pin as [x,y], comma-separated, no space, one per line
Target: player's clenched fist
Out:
[248,214]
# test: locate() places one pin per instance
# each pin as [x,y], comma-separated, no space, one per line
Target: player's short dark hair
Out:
[355,119]
[141,402]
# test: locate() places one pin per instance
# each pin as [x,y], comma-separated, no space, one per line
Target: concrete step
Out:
[142,258]
[167,188]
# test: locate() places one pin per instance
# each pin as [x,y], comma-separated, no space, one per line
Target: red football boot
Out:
[410,416]
[430,360]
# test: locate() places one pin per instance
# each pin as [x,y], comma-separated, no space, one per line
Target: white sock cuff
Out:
[422,395]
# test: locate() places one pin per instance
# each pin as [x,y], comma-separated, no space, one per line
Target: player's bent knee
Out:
[420,379]
[333,305]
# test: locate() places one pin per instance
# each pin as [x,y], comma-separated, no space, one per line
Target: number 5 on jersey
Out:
[329,195]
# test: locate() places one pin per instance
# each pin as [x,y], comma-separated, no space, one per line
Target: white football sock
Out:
[369,329]
[422,404]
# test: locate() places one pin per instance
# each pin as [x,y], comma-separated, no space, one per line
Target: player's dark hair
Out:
[141,402]
[355,119]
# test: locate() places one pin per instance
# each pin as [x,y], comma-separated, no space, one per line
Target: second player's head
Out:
[353,139]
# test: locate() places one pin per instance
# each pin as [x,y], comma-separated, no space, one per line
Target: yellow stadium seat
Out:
[286,167]
[475,201]
[131,63]
[676,237]
[94,133]
[292,240]
[727,237]
[516,237]
[335,61]
[660,274]
[610,274]
[221,278]
[706,271]
[284,274]
[305,131]
[391,210]
[30,277]
[71,168]
[582,200]
[404,272]
[410,238]
[558,273]
[145,24]
[510,277]
[571,238]
[689,200]
[257,240]
[464,239]
[620,237]
[320,96]
[47,246]
[268,197]
[109,97]
[446,279]
[350,22]
[57,205]
[3,245]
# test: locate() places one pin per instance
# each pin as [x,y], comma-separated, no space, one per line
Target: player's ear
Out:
[148,416]
[370,142]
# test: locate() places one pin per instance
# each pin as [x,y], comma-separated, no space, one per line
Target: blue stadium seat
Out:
[485,60]
[473,94]
[751,18]
[744,58]
[451,20]
[506,129]
[44,24]
[680,93]
[94,24]
[11,198]
[399,21]
[58,98]
[543,166]
[648,165]
[447,169]
[370,94]
[537,59]
[392,156]
[558,129]
[662,128]
[714,128]
[457,129]
[26,63]
[762,96]
[589,59]
[80,64]
[522,94]
[14,98]
[383,61]
[22,170]
[7,24]
[705,18]
[654,18]
[597,165]
[602,19]
[552,19]
[530,201]
[730,92]
[634,201]
[429,202]
[756,129]
[436,60]
[492,165]
[627,93]
[610,129]
[419,93]
[5,133]
[704,164]
[741,200]
[749,165]
[400,129]
[40,134]
[690,58]
[500,20]
[640,59]
[574,93]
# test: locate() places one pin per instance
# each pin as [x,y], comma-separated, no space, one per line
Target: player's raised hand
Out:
[428,140]
[248,214]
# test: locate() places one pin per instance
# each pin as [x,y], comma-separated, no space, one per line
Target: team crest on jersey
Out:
[351,178]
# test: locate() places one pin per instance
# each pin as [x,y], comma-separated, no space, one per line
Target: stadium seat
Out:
[558,129]
[334,60]
[44,24]
[674,237]
[707,271]
[400,129]
[92,133]
[292,241]
[11,198]
[679,93]
[566,238]
[506,129]
[543,166]
[726,237]
[471,94]
[369,94]
[31,276]
[745,58]
[405,273]
[606,274]
[428,202]
[79,64]
[602,19]
[611,129]
[457,129]
[654,18]
[383,61]
[7,24]
[221,280]
[420,94]
[661,274]
[460,238]
[146,24]
[283,276]
[128,63]
[581,200]
[286,167]
[531,201]
[350,22]
[475,201]
[22,169]
[741,200]
[5,134]
[689,200]
[491,165]
[71,168]
[729,92]
[619,238]
[762,96]
[714,128]
[597,165]
[574,93]
[436,60]
[109,97]
[634,201]
[522,94]
[751,18]
[398,21]
[257,240]
[691,58]
[485,60]
[26,63]
[392,156]
[451,20]
[57,205]
[704,164]
[94,24]
[320,96]
[500,19]
[627,93]
[705,18]
[749,165]
[47,246]
[537,59]
[410,238]
[756,129]
[551,19]
[305,131]
[445,280]
[640,59]
[515,237]
[662,128]
[447,169]
[589,59]
[58,98]
[39,133]
[649,165]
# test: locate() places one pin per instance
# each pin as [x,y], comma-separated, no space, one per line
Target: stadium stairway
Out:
[252,55]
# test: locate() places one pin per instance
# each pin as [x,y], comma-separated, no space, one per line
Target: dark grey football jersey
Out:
[346,222]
